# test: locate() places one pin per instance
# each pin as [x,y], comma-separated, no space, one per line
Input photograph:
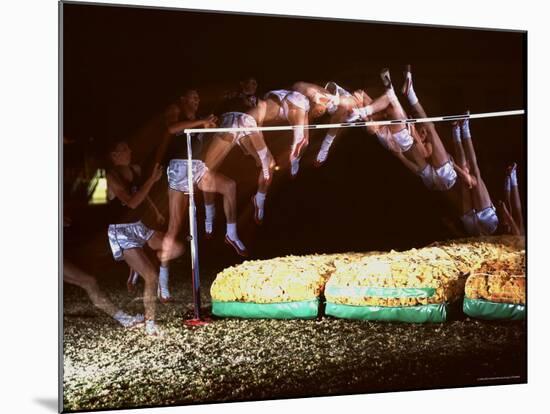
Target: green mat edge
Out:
[485,309]
[306,309]
[432,313]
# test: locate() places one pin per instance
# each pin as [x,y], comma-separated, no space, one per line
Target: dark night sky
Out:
[122,66]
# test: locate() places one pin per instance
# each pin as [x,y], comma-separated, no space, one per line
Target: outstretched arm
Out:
[174,125]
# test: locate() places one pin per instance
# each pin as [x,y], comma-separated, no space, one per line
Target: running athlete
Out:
[128,195]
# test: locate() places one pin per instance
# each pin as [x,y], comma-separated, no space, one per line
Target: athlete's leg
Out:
[411,147]
[263,185]
[138,260]
[439,155]
[218,183]
[298,118]
[335,118]
[155,243]
[257,147]
[76,276]
[461,163]
[218,149]
[480,195]
[171,246]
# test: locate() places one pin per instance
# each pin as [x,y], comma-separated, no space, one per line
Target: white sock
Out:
[232,231]
[163,281]
[232,234]
[121,316]
[411,95]
[507,187]
[327,142]
[466,129]
[513,178]
[264,159]
[210,213]
[260,200]
[325,147]
[456,133]
[390,93]
[151,328]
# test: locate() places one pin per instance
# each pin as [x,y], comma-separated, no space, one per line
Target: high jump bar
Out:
[363,123]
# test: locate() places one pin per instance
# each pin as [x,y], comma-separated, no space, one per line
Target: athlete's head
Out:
[119,153]
[190,99]
[249,85]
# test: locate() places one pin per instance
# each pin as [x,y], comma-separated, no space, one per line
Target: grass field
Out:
[106,366]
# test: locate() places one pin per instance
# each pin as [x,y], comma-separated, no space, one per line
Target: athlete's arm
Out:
[174,125]
[133,200]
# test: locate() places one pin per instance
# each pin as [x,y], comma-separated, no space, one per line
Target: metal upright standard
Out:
[197,320]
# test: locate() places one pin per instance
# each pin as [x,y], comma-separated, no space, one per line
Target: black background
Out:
[123,66]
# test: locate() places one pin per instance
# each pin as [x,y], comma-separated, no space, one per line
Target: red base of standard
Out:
[191,323]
